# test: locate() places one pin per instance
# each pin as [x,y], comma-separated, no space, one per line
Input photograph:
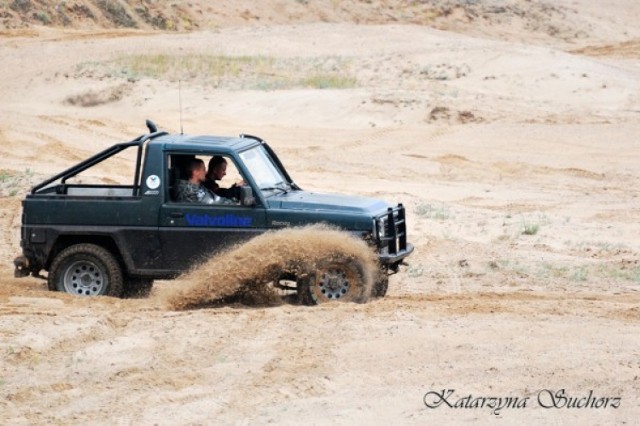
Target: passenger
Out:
[217,170]
[193,190]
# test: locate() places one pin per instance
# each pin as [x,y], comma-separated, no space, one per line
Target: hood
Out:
[337,203]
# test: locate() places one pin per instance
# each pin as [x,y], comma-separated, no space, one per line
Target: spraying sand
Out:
[248,268]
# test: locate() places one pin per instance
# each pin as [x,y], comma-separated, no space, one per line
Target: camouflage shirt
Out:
[188,192]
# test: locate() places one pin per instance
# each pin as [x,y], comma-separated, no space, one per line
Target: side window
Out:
[221,178]
[112,177]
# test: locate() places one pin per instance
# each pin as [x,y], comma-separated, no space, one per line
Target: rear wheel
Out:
[337,279]
[86,270]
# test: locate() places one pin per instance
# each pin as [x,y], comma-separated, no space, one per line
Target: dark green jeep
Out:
[115,238]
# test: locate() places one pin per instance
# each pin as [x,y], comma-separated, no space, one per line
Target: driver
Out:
[217,170]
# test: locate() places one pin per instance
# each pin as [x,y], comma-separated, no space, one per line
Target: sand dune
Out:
[507,129]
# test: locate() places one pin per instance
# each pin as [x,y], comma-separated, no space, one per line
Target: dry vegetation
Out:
[229,72]
[539,17]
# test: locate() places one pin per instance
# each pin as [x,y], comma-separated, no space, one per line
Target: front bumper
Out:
[395,258]
[390,230]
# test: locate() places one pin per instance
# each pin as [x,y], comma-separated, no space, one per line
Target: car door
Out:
[192,233]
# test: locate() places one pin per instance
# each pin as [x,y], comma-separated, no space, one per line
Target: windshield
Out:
[264,172]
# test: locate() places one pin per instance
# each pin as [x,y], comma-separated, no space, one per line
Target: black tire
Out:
[86,270]
[335,279]
[137,287]
[381,284]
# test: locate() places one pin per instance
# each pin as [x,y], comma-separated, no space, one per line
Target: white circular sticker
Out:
[153,182]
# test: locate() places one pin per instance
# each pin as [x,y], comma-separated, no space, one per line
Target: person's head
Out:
[217,168]
[196,170]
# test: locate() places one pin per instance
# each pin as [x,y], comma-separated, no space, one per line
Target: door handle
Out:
[176,215]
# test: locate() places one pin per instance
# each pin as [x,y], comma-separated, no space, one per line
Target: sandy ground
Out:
[515,155]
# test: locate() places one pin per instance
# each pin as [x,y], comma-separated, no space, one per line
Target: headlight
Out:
[382,227]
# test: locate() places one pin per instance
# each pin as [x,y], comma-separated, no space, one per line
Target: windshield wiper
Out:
[282,186]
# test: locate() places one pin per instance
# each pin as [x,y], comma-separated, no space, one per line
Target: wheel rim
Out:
[332,284]
[84,278]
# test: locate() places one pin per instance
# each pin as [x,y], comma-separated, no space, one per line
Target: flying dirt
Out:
[248,269]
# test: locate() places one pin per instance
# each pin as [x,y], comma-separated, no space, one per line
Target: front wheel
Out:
[381,284]
[86,270]
[338,279]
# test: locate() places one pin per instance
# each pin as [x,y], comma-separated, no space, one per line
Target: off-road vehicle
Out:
[109,236]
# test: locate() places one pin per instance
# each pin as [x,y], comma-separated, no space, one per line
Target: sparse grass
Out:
[620,274]
[599,246]
[184,67]
[438,213]
[12,183]
[605,272]
[43,17]
[580,274]
[605,246]
[116,13]
[21,5]
[232,72]
[530,228]
[415,271]
[158,20]
[554,271]
[515,266]
[329,81]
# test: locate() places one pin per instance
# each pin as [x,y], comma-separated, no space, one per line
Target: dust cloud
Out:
[247,269]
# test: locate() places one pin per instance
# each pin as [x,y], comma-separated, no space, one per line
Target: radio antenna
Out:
[180,102]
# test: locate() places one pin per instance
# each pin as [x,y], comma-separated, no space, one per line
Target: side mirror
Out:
[246,196]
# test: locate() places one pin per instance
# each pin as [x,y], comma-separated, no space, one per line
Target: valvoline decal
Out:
[228,220]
